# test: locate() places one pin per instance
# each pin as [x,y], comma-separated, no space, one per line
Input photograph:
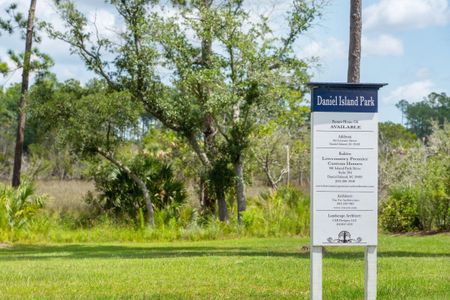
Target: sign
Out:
[344,175]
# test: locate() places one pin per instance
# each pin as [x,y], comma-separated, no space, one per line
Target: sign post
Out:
[344,174]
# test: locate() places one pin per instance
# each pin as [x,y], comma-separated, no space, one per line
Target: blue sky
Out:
[405,44]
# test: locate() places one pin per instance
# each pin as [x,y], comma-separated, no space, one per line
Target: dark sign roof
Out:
[346,85]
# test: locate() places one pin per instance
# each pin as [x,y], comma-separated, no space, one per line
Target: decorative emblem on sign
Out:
[344,237]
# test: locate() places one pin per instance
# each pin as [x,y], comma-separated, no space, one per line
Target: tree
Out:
[393,136]
[264,78]
[282,144]
[421,115]
[96,122]
[395,142]
[401,105]
[268,150]
[25,62]
[8,119]
[227,75]
[354,52]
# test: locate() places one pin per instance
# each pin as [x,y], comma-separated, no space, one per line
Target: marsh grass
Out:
[65,196]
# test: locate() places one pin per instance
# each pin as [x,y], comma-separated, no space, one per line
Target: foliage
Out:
[88,121]
[8,123]
[421,115]
[166,146]
[44,150]
[424,168]
[227,74]
[18,205]
[120,195]
[284,211]
[399,213]
[273,143]
[394,136]
[435,183]
[17,22]
[95,122]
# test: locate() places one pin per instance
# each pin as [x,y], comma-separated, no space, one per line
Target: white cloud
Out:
[382,45]
[274,10]
[66,65]
[406,14]
[331,48]
[412,92]
[423,73]
[103,21]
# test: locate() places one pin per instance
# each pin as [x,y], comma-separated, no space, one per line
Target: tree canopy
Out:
[421,115]
[207,73]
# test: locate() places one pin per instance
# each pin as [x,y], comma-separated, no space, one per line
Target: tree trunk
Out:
[138,181]
[354,52]
[288,165]
[209,201]
[223,211]
[20,136]
[209,131]
[240,186]
[201,191]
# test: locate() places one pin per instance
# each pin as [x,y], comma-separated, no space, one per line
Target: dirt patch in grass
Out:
[4,245]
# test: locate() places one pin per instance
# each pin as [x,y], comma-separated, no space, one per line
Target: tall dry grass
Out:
[65,195]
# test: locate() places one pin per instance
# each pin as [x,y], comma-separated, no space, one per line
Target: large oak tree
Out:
[203,70]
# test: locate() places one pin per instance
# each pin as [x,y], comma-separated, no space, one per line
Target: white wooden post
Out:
[370,273]
[316,273]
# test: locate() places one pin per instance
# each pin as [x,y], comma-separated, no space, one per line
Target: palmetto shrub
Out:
[120,196]
[279,212]
[18,205]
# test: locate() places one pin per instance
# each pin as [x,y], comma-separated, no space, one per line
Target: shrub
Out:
[434,204]
[284,211]
[426,168]
[19,205]
[121,196]
[399,213]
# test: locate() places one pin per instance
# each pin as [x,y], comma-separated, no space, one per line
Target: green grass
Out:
[414,267]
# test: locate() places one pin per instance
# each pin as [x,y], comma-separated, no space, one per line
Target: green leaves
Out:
[16,22]
[123,197]
[421,115]
[89,118]
[40,62]
[205,71]
[19,205]
[422,168]
[4,69]
[300,18]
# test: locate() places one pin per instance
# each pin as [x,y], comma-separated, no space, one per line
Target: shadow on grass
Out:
[75,251]
[37,252]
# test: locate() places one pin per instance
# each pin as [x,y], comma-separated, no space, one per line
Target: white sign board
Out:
[344,173]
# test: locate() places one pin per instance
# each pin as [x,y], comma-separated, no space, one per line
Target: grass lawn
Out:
[414,267]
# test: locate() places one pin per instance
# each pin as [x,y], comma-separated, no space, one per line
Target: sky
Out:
[405,43]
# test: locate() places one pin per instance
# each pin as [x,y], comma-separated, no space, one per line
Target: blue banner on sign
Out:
[343,99]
